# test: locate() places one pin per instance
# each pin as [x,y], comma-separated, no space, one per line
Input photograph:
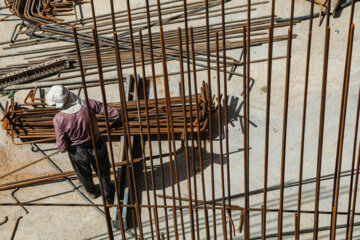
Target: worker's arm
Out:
[98,108]
[61,139]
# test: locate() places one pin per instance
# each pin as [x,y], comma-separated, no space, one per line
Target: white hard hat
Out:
[57,96]
[62,98]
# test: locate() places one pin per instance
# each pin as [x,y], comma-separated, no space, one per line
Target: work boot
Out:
[91,195]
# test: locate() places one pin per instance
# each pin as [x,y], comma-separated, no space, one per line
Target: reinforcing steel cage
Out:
[177,176]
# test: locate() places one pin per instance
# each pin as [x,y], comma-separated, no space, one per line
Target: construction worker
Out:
[72,128]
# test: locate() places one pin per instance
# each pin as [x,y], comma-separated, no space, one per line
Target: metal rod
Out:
[210,112]
[4,221]
[127,143]
[355,188]
[157,110]
[93,140]
[187,42]
[17,200]
[198,133]
[342,124]
[15,228]
[107,124]
[353,167]
[220,140]
[321,132]
[267,118]
[226,120]
[169,119]
[303,125]
[246,143]
[148,136]
[217,207]
[138,111]
[285,117]
[192,228]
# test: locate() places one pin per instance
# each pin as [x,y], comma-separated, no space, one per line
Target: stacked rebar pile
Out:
[36,125]
[40,12]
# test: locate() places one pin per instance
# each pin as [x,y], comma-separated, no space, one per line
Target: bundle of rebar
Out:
[40,12]
[36,125]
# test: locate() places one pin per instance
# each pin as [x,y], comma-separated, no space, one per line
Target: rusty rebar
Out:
[138,112]
[4,221]
[220,139]
[210,112]
[353,166]
[198,133]
[285,117]
[15,228]
[93,140]
[192,228]
[187,44]
[246,142]
[355,189]
[342,124]
[321,131]
[148,136]
[303,125]
[17,200]
[157,110]
[267,118]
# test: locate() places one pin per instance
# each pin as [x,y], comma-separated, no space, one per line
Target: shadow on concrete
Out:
[180,164]
[234,108]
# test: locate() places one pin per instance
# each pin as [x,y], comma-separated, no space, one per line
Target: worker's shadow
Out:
[187,167]
[178,169]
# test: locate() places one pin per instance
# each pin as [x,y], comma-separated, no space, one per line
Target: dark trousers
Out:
[82,158]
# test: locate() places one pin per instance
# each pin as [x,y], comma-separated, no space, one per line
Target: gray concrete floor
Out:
[86,223]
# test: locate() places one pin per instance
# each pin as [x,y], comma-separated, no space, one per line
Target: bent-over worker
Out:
[72,128]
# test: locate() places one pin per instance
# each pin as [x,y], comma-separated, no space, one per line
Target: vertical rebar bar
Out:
[191,122]
[321,132]
[220,135]
[285,116]
[106,209]
[356,180]
[353,167]
[198,133]
[148,134]
[246,143]
[247,130]
[226,117]
[210,113]
[170,131]
[192,228]
[342,128]
[303,125]
[157,112]
[132,44]
[127,145]
[267,118]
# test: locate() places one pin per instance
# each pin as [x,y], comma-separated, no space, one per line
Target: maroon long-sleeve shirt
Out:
[73,129]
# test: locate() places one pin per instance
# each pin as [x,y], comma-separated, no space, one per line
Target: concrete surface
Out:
[86,223]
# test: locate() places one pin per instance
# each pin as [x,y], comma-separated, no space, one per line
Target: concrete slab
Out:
[86,223]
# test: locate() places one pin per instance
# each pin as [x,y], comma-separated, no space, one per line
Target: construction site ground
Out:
[86,223]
